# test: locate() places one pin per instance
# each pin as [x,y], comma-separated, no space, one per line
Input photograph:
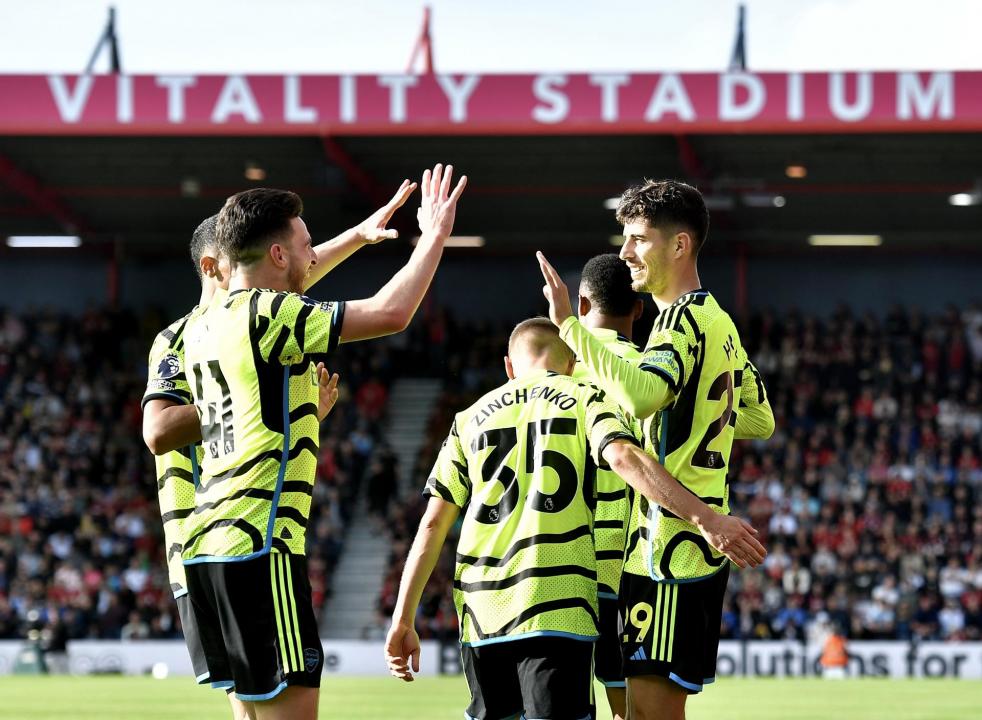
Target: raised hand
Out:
[735,538]
[438,206]
[401,645]
[372,229]
[555,291]
[327,391]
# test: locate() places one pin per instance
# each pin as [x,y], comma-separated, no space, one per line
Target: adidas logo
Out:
[640,655]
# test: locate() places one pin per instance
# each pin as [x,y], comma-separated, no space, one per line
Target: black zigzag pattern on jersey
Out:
[612,496]
[679,417]
[698,540]
[435,486]
[254,535]
[534,572]
[178,514]
[269,375]
[304,443]
[530,612]
[177,473]
[608,525]
[291,513]
[251,492]
[490,561]
[302,411]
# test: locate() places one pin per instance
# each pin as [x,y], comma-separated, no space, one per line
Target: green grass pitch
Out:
[132,698]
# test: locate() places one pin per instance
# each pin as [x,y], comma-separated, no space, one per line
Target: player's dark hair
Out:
[669,205]
[540,336]
[253,220]
[202,239]
[607,281]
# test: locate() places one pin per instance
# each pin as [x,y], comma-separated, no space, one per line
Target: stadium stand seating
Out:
[81,547]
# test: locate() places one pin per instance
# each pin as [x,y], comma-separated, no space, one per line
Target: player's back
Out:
[250,364]
[696,347]
[521,462]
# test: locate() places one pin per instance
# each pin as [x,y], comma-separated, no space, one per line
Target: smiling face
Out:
[648,253]
[299,255]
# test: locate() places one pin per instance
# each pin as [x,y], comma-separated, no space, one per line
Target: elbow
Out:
[395,320]
[153,439]
[769,426]
[617,455]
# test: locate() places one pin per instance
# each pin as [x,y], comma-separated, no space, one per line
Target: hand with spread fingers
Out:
[373,229]
[438,205]
[735,538]
[327,386]
[401,647]
[555,291]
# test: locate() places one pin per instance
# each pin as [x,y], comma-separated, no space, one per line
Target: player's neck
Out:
[259,275]
[621,325]
[207,293]
[535,367]
[685,281]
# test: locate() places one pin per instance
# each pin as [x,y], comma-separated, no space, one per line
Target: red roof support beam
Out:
[40,197]
[357,176]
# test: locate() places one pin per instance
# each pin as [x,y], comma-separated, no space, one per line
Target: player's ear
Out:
[509,370]
[683,243]
[278,254]
[584,306]
[208,265]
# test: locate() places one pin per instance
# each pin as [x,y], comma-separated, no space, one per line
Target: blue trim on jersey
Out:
[683,581]
[223,685]
[202,677]
[195,470]
[660,372]
[614,683]
[708,681]
[607,595]
[662,451]
[534,633]
[225,558]
[265,696]
[283,462]
[687,685]
[180,593]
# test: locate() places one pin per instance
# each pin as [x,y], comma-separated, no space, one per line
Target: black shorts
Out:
[672,629]
[547,678]
[608,664]
[257,624]
[192,638]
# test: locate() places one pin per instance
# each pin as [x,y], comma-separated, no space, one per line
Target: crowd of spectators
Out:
[81,545]
[868,496]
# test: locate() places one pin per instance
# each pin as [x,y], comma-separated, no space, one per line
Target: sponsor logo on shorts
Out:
[311,658]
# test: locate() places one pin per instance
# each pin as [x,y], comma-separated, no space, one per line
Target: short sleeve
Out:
[449,479]
[166,377]
[294,328]
[606,422]
[668,356]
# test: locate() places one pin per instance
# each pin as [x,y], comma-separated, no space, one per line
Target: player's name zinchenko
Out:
[523,395]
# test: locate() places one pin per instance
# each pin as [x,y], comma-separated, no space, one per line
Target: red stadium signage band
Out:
[486,104]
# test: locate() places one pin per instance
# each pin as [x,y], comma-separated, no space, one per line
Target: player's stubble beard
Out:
[297,275]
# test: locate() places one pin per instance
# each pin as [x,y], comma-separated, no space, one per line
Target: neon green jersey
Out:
[696,390]
[613,507]
[521,465]
[250,364]
[177,470]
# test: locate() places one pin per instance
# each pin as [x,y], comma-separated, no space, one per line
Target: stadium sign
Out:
[491,104]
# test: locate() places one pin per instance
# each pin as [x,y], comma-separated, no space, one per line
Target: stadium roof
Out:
[99,175]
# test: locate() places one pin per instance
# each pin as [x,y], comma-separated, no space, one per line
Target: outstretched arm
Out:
[370,231]
[392,308]
[729,535]
[402,642]
[641,392]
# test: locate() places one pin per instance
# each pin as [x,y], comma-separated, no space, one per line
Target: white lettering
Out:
[236,98]
[915,100]
[669,97]
[609,84]
[398,85]
[859,109]
[546,89]
[175,85]
[796,96]
[732,111]
[458,94]
[349,99]
[124,99]
[71,104]
[293,109]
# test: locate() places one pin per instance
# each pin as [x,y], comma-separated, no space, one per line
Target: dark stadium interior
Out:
[542,191]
